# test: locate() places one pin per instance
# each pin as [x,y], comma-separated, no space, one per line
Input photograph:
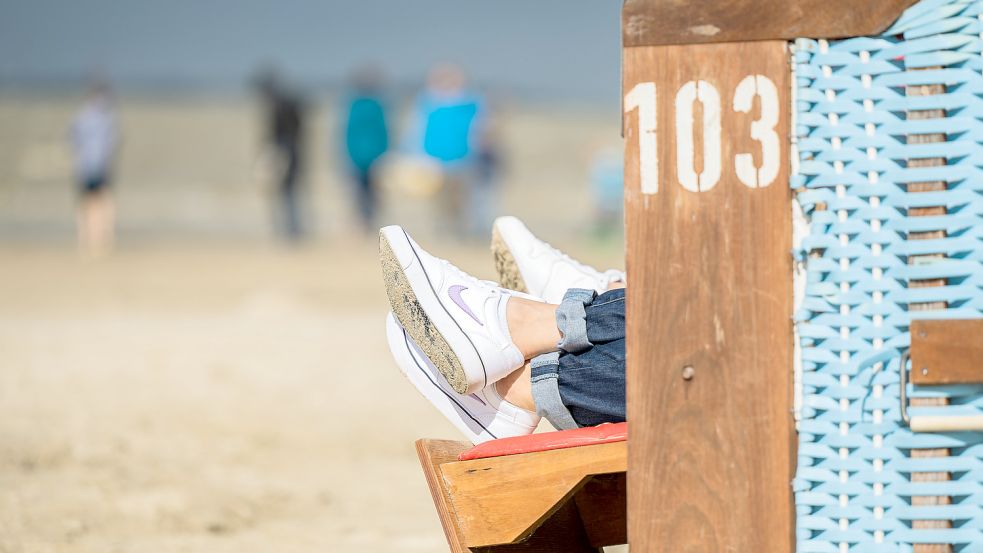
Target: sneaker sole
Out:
[508,270]
[412,313]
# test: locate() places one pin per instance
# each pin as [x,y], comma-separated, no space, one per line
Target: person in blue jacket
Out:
[449,127]
[366,141]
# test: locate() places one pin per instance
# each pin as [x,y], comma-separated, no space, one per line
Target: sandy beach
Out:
[203,389]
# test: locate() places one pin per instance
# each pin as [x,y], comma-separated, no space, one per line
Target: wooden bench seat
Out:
[543,499]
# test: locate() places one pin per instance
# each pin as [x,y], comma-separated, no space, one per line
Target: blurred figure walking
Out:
[448,128]
[484,191]
[94,137]
[366,141]
[285,138]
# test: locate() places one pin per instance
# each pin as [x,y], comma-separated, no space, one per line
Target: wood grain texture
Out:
[506,493]
[505,499]
[562,533]
[711,459]
[660,22]
[947,352]
[433,454]
[933,186]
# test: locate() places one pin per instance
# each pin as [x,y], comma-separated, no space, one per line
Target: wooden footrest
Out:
[557,499]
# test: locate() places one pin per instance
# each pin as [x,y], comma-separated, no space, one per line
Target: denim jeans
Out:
[583,383]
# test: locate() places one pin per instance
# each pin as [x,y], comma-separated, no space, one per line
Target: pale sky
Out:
[563,49]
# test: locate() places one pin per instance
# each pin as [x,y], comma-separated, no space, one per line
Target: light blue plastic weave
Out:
[853,488]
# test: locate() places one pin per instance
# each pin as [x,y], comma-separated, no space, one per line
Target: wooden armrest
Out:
[560,500]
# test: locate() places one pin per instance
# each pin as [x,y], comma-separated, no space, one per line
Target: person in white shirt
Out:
[94,137]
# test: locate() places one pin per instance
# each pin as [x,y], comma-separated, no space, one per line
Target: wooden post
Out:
[708,215]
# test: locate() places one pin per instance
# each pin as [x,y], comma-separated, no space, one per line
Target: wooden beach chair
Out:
[556,491]
[765,417]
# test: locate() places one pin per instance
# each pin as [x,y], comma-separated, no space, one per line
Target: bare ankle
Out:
[516,388]
[532,325]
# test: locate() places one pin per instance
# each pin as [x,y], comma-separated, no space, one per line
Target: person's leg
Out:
[456,195]
[582,384]
[289,196]
[363,199]
[516,388]
[480,203]
[532,325]
[84,217]
[604,324]
[370,198]
[95,218]
[291,212]
[475,332]
[105,222]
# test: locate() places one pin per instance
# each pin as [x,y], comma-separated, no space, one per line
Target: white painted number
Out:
[642,98]
[762,130]
[685,159]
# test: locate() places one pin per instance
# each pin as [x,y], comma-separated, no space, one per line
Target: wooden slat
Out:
[660,22]
[947,352]
[505,499]
[575,526]
[711,458]
[563,532]
[928,90]
[433,454]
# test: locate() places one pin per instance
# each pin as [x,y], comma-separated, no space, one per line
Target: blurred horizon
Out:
[532,52]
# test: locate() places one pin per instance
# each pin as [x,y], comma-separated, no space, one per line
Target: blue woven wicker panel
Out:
[853,489]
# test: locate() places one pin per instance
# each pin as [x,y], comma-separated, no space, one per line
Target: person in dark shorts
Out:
[94,137]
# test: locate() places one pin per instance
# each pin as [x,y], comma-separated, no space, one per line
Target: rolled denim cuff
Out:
[546,391]
[571,320]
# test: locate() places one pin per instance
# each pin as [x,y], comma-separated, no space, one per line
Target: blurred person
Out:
[447,128]
[494,360]
[607,174]
[94,136]
[366,141]
[488,162]
[285,140]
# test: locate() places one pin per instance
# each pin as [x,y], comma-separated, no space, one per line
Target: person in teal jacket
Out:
[366,141]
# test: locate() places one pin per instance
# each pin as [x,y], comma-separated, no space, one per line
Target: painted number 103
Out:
[642,97]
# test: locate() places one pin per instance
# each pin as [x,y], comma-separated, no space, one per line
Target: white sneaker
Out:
[457,320]
[527,264]
[481,416]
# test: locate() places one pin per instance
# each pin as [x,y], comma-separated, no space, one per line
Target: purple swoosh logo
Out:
[455,294]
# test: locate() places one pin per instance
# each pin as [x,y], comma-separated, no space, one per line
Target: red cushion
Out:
[601,434]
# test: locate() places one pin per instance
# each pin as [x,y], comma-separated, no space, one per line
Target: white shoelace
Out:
[559,253]
[606,277]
